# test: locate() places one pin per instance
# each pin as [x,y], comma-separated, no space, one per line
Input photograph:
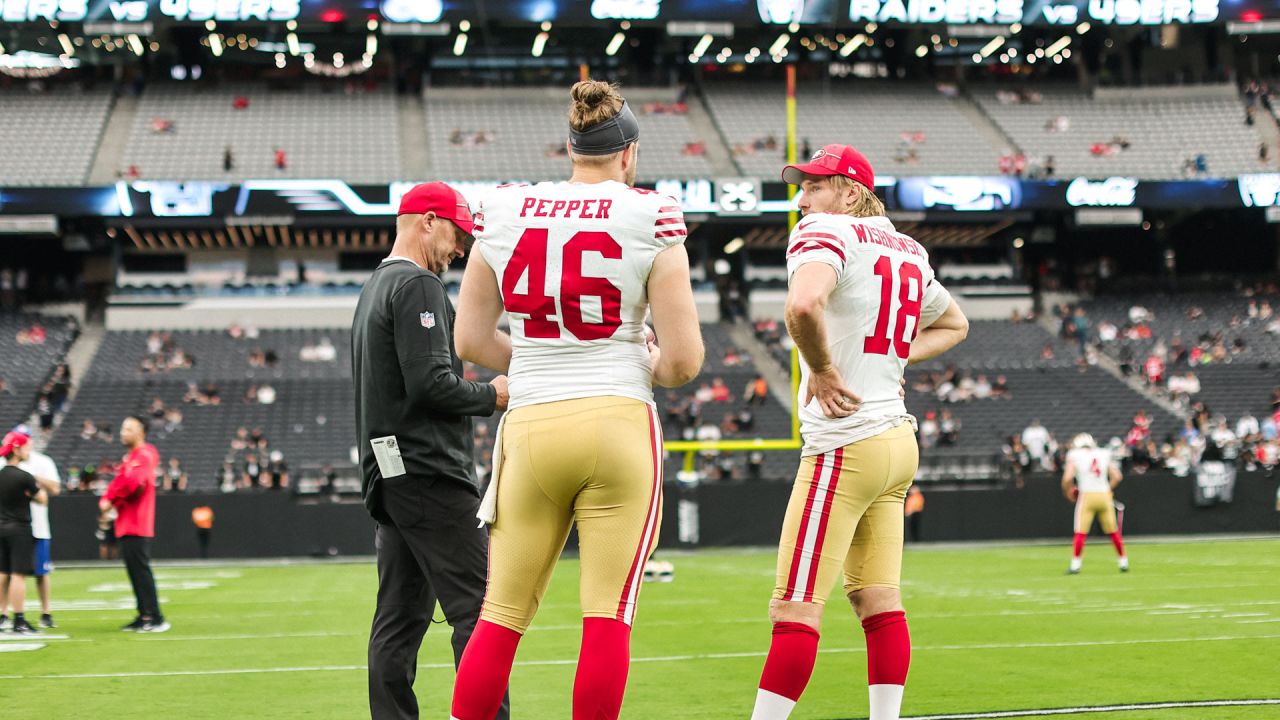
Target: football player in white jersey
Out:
[1088,480]
[575,265]
[862,303]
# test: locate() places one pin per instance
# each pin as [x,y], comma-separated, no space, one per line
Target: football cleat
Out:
[1123,564]
[4,622]
[22,627]
[134,626]
[154,626]
[46,621]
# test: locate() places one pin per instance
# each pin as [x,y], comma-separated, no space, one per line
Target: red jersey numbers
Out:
[910,294]
[530,258]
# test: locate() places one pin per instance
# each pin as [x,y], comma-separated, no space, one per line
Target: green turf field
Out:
[994,628]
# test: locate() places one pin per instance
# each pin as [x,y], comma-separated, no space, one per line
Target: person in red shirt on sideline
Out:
[133,495]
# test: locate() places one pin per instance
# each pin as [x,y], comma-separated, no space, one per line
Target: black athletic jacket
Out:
[408,380]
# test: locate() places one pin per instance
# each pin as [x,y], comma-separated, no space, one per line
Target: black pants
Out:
[204,535]
[432,551]
[137,562]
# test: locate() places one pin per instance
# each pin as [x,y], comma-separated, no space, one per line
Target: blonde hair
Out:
[865,203]
[591,102]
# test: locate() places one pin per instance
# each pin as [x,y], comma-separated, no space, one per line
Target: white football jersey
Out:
[40,465]
[885,294]
[1093,468]
[572,261]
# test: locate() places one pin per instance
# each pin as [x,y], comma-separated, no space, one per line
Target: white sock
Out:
[1123,561]
[1076,563]
[886,701]
[772,706]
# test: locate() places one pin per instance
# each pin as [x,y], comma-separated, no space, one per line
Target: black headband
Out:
[608,137]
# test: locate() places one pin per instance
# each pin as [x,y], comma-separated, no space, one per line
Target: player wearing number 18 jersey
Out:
[862,302]
[575,265]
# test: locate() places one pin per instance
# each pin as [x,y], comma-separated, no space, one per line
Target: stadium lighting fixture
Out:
[135,43]
[992,46]
[1031,59]
[734,245]
[465,26]
[210,25]
[371,25]
[294,48]
[977,57]
[338,60]
[871,28]
[540,43]
[854,43]
[1083,28]
[215,44]
[704,42]
[693,58]
[1015,28]
[922,51]
[67,47]
[280,61]
[309,61]
[794,27]
[1013,52]
[1057,59]
[460,44]
[291,25]
[1066,54]
[776,48]
[546,26]
[371,45]
[1058,45]
[615,44]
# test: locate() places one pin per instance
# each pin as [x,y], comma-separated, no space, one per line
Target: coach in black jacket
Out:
[413,420]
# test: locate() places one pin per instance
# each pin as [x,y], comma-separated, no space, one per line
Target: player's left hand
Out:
[1072,494]
[836,399]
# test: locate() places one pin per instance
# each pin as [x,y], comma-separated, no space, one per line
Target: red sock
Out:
[1118,542]
[790,663]
[888,648]
[602,669]
[1077,546]
[484,672]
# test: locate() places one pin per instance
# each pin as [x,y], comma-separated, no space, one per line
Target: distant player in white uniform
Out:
[862,303]
[43,468]
[1088,480]
[575,265]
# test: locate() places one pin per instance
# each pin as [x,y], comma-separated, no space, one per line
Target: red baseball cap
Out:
[439,198]
[833,160]
[13,441]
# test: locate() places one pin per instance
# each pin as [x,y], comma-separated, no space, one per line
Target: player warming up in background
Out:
[862,303]
[1088,480]
[575,264]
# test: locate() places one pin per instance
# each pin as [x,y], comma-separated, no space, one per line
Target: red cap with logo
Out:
[833,160]
[13,441]
[439,198]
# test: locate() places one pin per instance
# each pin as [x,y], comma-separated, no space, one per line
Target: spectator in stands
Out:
[1046,352]
[175,478]
[746,419]
[729,425]
[172,419]
[755,465]
[44,409]
[703,394]
[756,392]
[982,388]
[228,160]
[282,160]
[277,471]
[928,430]
[708,431]
[226,477]
[1048,167]
[719,391]
[240,102]
[1037,441]
[266,394]
[948,428]
[1019,459]
[33,335]
[88,431]
[1153,369]
[251,472]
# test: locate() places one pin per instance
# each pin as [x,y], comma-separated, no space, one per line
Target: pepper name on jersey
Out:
[573,261]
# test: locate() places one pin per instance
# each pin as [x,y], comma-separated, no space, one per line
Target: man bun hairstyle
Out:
[591,102]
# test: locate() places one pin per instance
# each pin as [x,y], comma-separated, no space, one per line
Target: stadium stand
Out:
[1128,133]
[1233,349]
[50,137]
[927,134]
[181,132]
[26,366]
[309,417]
[480,135]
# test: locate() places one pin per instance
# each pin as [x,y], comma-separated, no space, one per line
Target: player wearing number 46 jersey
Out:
[862,303]
[1088,480]
[575,265]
